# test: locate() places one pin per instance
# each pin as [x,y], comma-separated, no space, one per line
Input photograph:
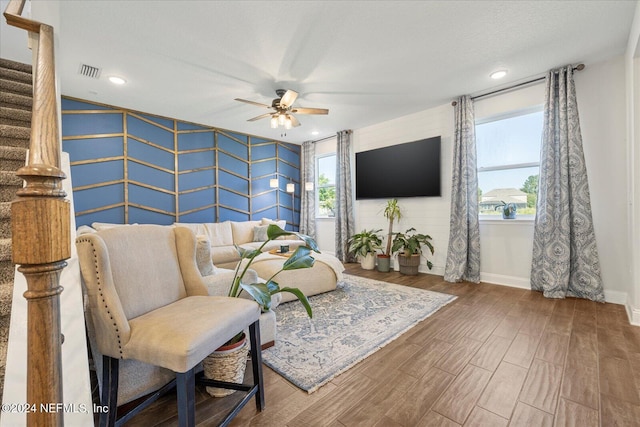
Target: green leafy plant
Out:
[411,243]
[262,291]
[367,241]
[392,213]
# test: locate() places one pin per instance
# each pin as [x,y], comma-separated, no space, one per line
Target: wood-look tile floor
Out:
[496,356]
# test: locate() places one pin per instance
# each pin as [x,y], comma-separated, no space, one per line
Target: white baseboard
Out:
[501,279]
[633,313]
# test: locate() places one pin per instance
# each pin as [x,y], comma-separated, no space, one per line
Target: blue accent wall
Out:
[131,167]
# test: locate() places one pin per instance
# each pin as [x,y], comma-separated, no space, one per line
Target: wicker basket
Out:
[409,264]
[226,365]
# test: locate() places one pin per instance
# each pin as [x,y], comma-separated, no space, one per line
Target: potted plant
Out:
[392,213]
[364,245]
[409,245]
[508,209]
[228,362]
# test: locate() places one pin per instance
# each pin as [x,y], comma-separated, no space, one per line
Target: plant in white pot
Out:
[229,361]
[392,213]
[409,247]
[364,245]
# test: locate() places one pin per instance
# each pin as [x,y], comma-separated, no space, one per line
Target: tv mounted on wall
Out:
[411,169]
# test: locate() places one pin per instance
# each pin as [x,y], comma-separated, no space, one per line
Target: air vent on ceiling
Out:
[89,71]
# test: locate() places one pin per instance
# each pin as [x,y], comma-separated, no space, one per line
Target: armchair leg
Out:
[109,395]
[186,388]
[256,363]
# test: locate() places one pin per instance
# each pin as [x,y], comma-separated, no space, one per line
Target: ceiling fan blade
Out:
[310,111]
[253,103]
[288,98]
[261,116]
[294,122]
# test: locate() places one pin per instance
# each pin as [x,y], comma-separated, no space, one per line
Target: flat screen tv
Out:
[411,169]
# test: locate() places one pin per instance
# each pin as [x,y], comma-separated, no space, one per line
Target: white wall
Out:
[429,215]
[601,102]
[632,70]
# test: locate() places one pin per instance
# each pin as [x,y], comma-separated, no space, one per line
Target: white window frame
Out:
[495,118]
[317,185]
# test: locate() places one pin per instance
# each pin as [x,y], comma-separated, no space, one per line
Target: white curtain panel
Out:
[463,255]
[345,222]
[308,201]
[565,256]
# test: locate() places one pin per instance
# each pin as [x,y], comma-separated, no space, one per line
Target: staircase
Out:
[15,129]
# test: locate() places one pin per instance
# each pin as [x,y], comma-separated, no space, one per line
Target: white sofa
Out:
[245,234]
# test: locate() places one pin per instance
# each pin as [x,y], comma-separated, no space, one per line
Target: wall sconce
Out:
[273,183]
[308,186]
[291,187]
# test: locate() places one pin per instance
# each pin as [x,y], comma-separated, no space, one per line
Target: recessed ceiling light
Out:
[498,74]
[315,132]
[117,80]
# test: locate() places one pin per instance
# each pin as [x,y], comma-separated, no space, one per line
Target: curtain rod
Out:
[578,67]
[329,137]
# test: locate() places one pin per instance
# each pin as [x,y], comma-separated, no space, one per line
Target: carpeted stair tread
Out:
[13,153]
[5,221]
[16,87]
[5,249]
[15,116]
[9,178]
[7,271]
[15,75]
[13,65]
[14,132]
[16,100]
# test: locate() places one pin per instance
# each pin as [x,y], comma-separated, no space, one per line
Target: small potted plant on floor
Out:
[508,210]
[409,247]
[364,245]
[392,213]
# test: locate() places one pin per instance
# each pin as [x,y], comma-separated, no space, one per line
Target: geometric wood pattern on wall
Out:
[131,167]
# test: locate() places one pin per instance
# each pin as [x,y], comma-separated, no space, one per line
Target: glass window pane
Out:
[509,141]
[326,186]
[519,186]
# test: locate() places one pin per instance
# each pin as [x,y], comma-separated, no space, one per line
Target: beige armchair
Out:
[147,302]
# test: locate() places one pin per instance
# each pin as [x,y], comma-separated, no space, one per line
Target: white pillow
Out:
[260,233]
[280,222]
[203,255]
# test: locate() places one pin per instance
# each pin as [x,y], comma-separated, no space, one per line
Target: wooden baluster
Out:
[40,226]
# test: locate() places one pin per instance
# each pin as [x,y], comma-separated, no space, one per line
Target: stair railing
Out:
[40,227]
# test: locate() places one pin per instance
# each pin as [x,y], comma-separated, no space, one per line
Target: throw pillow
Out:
[280,223]
[260,233]
[203,255]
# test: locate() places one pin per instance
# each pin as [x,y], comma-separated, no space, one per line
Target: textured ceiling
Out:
[367,62]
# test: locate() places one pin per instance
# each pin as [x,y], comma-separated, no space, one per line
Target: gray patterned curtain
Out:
[345,222]
[565,256]
[308,201]
[463,256]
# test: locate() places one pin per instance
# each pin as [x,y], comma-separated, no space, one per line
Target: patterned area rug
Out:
[349,324]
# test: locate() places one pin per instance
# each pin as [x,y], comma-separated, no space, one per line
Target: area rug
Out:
[354,321]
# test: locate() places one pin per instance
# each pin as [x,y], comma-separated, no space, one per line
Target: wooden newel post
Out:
[41,243]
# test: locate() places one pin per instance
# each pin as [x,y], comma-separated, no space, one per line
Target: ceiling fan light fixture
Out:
[274,122]
[287,122]
[281,119]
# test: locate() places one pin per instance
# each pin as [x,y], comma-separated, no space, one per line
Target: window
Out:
[326,185]
[509,161]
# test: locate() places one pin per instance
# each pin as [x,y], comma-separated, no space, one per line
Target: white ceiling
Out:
[366,61]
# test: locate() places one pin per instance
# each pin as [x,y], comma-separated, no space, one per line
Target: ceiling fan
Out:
[283,109]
